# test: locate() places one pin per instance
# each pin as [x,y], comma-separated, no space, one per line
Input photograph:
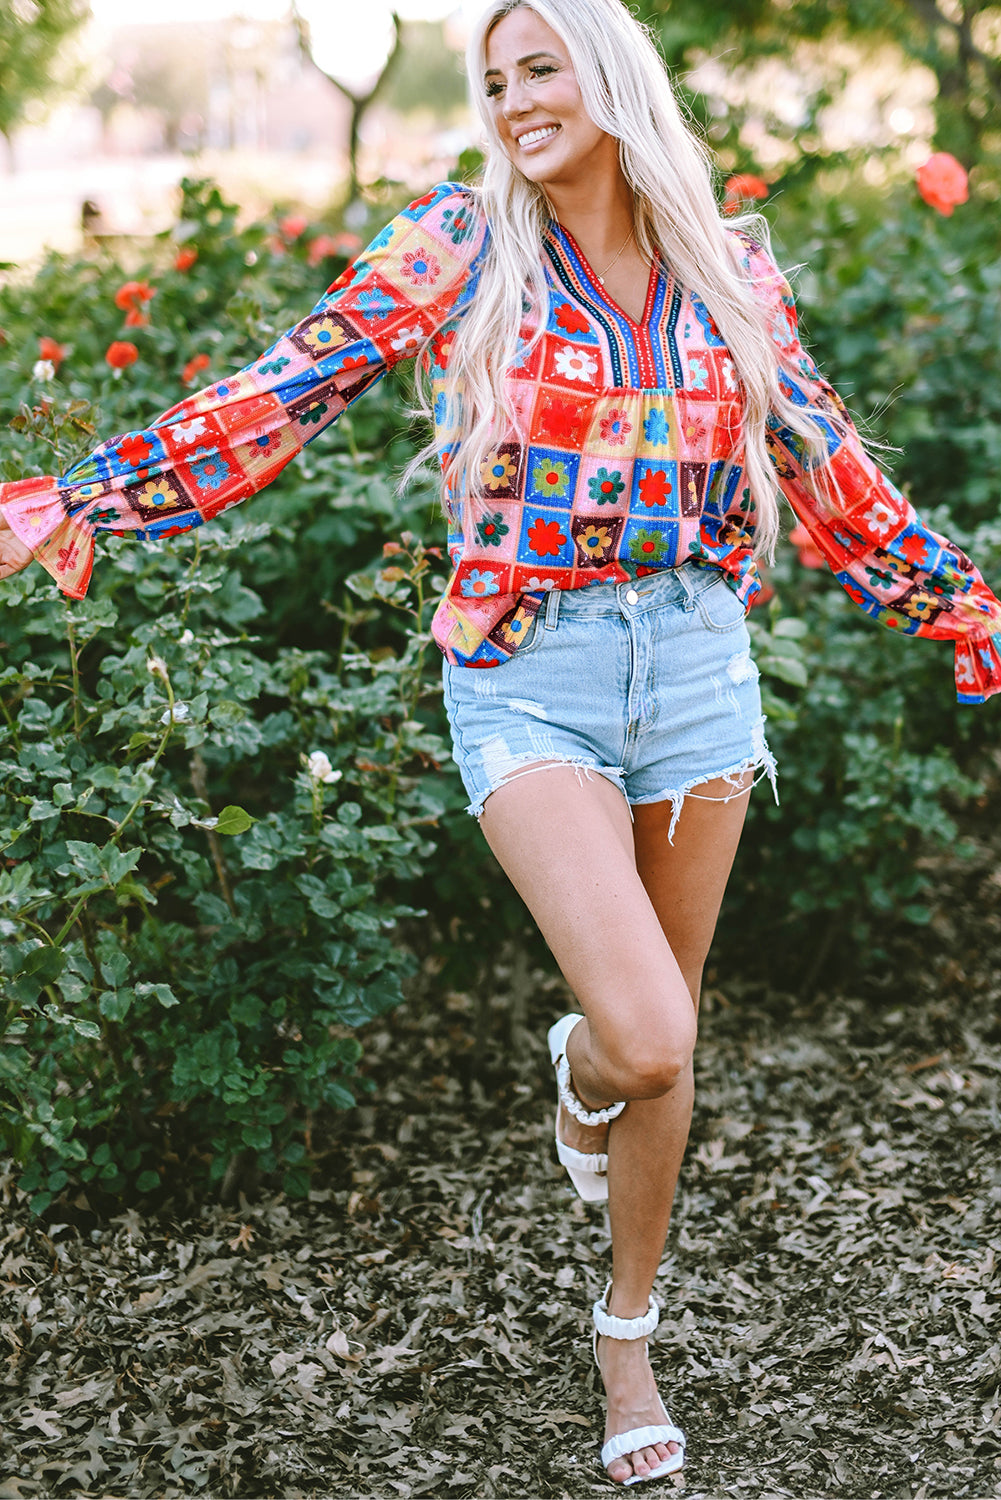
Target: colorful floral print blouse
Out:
[626,459]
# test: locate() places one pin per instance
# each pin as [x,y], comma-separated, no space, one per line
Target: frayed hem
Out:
[583,769]
[762,765]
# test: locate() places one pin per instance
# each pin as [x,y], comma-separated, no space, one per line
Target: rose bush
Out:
[231,831]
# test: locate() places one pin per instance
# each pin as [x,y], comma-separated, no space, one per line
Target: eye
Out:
[539,70]
[493,89]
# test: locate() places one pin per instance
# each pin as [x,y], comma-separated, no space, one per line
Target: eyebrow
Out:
[522,61]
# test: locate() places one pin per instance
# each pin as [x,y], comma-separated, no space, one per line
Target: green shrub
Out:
[877,760]
[183,993]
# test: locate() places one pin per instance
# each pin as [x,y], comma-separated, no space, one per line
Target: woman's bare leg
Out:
[619,907]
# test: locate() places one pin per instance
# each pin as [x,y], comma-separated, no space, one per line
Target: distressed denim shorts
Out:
[649,684]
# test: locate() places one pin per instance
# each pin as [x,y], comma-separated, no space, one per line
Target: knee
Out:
[653,1061]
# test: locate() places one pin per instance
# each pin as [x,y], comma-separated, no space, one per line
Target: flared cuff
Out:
[64,545]
[978,668]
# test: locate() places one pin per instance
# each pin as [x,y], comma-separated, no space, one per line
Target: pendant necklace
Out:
[611,263]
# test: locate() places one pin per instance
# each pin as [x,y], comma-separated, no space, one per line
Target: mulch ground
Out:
[419,1326]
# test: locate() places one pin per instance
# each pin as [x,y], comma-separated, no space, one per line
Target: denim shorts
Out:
[649,684]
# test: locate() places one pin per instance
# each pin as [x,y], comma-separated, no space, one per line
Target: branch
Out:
[360,100]
[928,11]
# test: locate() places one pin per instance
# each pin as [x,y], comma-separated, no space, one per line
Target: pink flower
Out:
[194,367]
[809,554]
[293,225]
[48,349]
[742,187]
[943,182]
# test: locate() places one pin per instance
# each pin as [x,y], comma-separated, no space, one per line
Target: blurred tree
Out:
[958,40]
[359,101]
[430,76]
[32,35]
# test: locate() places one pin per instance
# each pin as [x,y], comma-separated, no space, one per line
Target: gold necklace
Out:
[611,263]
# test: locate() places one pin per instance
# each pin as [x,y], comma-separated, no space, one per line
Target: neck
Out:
[596,214]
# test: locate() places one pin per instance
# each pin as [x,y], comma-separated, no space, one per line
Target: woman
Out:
[618,392]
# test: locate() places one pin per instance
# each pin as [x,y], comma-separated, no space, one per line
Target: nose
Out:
[516,100]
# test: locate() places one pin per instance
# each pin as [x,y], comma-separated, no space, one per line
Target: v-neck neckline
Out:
[599,289]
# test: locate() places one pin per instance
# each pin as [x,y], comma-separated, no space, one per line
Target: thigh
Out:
[685,877]
[565,840]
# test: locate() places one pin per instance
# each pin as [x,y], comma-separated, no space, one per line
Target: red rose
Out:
[741,188]
[49,349]
[194,367]
[943,182]
[121,353]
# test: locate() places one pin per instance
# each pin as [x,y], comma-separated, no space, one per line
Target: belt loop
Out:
[552,608]
[683,577]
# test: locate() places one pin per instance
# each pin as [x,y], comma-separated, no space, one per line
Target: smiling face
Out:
[534,98]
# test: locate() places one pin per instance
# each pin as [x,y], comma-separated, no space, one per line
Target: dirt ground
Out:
[418,1327]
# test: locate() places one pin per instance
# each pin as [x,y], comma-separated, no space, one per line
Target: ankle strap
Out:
[572,1103]
[624,1328]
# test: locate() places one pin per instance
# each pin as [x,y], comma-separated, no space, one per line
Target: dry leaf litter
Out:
[419,1326]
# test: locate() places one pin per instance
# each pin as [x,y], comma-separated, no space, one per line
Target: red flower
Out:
[545,537]
[185,258]
[915,550]
[741,188]
[194,367]
[571,318]
[943,183]
[561,421]
[49,349]
[136,318]
[121,353]
[809,553]
[441,348]
[132,294]
[655,488]
[134,450]
[293,225]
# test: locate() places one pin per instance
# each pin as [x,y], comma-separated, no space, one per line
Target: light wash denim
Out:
[649,684]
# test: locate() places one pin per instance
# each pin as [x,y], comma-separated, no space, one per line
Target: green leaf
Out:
[115,1004]
[790,627]
[787,668]
[234,820]
[258,1136]
[147,1181]
[161,992]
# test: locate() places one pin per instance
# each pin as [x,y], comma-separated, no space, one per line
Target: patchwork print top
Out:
[626,457]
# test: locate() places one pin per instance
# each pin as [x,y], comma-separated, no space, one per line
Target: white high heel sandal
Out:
[607,1326]
[586,1170]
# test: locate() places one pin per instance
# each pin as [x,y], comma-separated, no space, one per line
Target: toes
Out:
[620,1471]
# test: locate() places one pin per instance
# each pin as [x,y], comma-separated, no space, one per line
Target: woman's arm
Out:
[888,561]
[233,438]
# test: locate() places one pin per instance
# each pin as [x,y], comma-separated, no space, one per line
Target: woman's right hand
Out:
[14,555]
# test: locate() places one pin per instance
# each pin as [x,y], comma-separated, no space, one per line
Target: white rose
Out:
[179,714]
[319,767]
[44,369]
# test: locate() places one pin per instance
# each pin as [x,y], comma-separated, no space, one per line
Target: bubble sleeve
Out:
[887,560]
[226,442]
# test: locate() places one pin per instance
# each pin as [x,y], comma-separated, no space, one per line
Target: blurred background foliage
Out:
[231,832]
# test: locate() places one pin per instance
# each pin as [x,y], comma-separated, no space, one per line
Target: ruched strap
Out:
[644,1437]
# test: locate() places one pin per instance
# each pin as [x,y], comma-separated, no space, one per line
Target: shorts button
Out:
[632,597]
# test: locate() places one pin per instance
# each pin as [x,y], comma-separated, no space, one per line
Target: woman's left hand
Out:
[14,555]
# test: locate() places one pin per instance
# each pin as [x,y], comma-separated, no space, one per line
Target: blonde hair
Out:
[627,93]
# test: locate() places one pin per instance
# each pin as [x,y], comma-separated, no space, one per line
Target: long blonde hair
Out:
[627,93]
